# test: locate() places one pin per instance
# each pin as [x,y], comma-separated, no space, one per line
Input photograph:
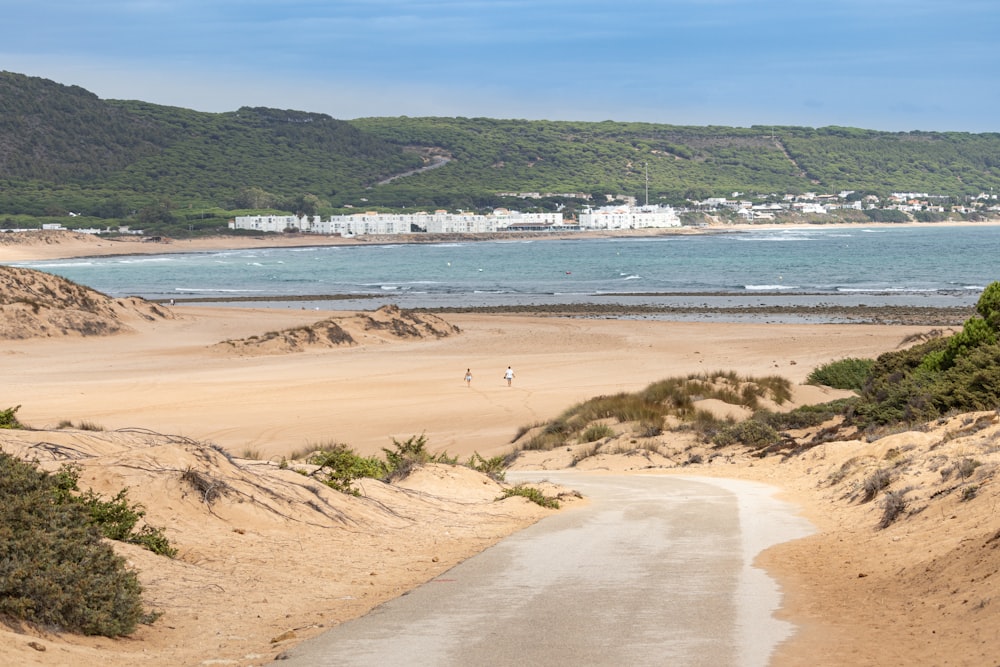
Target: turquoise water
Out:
[934,265]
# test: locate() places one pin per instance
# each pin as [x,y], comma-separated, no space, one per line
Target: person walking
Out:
[509,375]
[468,377]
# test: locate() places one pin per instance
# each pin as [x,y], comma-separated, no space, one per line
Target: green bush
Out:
[804,416]
[849,373]
[8,420]
[340,466]
[974,334]
[532,494]
[55,569]
[492,467]
[410,453]
[902,389]
[988,305]
[116,518]
[752,433]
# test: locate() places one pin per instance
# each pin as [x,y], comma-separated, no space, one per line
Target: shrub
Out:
[752,433]
[55,569]
[340,466]
[894,504]
[410,453]
[707,425]
[8,420]
[874,483]
[974,334]
[914,386]
[492,467]
[849,373]
[804,416]
[966,467]
[988,305]
[532,494]
[116,518]
[650,429]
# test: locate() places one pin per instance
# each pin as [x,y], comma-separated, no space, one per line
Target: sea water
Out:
[934,265]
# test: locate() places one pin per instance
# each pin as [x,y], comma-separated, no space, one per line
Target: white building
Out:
[629,217]
[374,223]
[266,223]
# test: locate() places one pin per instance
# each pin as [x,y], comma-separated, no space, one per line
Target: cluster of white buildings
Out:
[443,222]
[629,217]
[373,223]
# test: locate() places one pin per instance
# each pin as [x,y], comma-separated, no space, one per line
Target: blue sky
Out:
[879,64]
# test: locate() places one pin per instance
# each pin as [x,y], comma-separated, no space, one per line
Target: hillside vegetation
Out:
[178,171]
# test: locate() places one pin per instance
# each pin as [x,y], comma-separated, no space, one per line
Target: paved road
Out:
[656,570]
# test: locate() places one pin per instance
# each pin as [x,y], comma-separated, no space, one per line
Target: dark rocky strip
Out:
[821,313]
[267,299]
[916,316]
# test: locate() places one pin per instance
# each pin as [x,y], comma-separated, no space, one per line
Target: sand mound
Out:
[34,304]
[48,238]
[266,555]
[387,324]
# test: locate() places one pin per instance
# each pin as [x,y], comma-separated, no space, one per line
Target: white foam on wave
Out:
[145,260]
[768,288]
[58,265]
[209,290]
[896,290]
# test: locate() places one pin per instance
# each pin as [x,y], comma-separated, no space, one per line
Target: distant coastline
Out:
[64,244]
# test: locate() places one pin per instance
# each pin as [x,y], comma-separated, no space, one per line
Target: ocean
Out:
[932,265]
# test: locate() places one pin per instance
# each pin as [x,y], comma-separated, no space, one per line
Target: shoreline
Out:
[67,244]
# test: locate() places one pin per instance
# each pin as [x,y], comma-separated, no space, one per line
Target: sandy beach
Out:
[250,580]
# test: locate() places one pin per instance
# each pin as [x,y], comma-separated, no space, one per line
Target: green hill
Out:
[169,169]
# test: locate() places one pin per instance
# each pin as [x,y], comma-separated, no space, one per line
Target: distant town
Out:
[621,216]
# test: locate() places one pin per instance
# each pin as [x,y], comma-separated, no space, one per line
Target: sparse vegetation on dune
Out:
[339,466]
[903,388]
[387,323]
[674,399]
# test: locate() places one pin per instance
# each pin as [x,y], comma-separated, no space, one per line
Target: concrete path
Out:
[655,570]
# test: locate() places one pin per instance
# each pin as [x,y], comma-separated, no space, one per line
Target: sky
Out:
[891,65]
